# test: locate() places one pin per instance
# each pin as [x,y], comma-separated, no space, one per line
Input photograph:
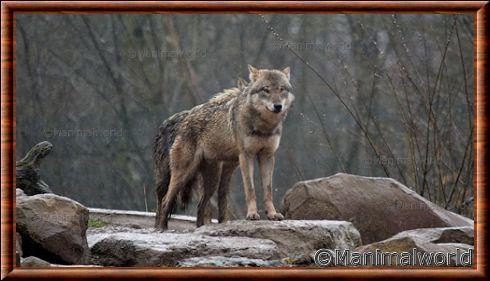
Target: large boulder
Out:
[452,245]
[53,228]
[293,238]
[144,247]
[378,207]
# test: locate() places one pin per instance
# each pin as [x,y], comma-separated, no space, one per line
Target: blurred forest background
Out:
[383,95]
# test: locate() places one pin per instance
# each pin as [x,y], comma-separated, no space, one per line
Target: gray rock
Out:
[18,244]
[19,193]
[378,207]
[450,240]
[18,248]
[34,262]
[464,235]
[220,261]
[140,247]
[293,238]
[37,262]
[53,228]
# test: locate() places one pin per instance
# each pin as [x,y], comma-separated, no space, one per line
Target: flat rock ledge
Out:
[166,249]
[236,243]
[294,238]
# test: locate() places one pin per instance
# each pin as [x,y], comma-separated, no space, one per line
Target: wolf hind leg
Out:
[224,189]
[163,180]
[186,161]
[211,172]
[178,180]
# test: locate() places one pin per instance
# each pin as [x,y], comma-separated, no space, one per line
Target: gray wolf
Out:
[204,146]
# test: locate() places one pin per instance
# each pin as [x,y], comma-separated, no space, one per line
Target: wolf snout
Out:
[277,108]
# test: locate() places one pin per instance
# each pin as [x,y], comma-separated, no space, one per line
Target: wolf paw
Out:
[161,228]
[253,216]
[275,217]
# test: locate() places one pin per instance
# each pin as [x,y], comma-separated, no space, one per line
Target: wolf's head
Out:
[270,90]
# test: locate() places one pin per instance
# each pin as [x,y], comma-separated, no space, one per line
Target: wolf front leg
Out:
[247,169]
[266,164]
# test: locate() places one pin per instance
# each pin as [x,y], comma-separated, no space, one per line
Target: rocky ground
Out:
[242,242]
[337,213]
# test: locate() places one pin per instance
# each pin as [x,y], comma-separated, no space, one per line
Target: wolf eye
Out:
[265,89]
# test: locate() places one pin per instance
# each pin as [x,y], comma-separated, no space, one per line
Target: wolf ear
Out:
[253,73]
[287,72]
[242,84]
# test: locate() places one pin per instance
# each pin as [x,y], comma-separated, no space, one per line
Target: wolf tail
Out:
[162,144]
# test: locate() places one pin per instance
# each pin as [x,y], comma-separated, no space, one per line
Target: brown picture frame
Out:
[9,9]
